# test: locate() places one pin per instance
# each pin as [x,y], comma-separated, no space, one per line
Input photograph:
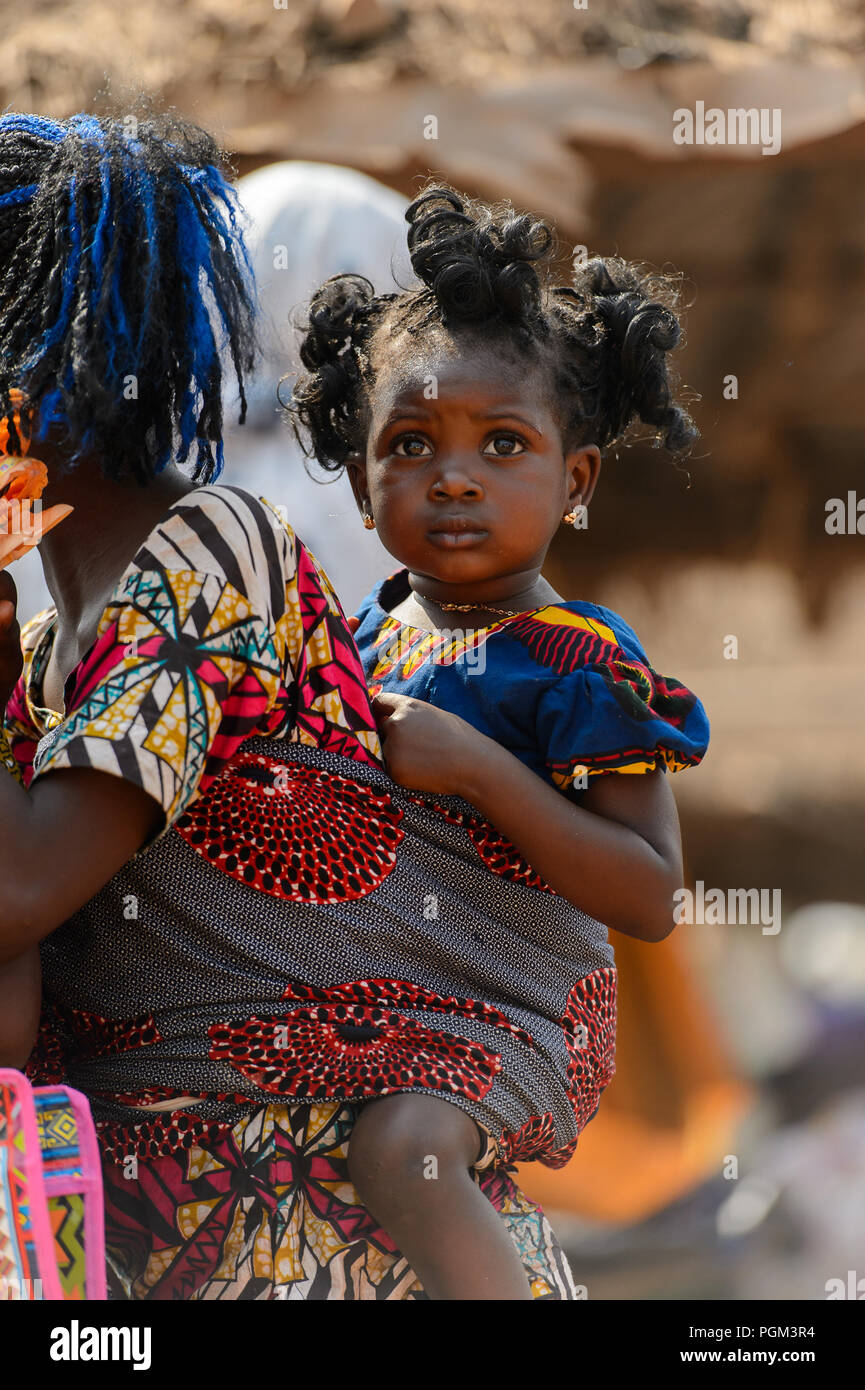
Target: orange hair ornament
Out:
[22,482]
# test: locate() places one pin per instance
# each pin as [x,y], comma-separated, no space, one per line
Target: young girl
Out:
[472,414]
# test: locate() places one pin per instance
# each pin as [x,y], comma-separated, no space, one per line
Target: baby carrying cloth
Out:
[301,928]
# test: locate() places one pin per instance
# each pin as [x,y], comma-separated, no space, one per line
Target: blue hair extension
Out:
[212,197]
[229,230]
[212,179]
[89,128]
[105,291]
[141,190]
[122,258]
[70,279]
[18,195]
[193,253]
[40,126]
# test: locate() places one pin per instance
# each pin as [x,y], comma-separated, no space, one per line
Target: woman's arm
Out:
[20,979]
[201,683]
[617,856]
[20,1002]
[60,843]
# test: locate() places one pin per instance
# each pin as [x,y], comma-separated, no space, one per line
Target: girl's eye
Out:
[513,446]
[411,446]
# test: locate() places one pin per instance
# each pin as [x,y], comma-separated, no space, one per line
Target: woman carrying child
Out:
[230,898]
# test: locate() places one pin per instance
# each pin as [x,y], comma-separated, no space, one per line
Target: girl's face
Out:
[465,472]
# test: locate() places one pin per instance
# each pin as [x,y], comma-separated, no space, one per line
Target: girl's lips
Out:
[456,539]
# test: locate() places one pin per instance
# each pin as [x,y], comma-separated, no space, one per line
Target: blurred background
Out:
[728,1156]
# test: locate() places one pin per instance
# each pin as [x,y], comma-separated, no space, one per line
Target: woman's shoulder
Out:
[228,532]
[219,520]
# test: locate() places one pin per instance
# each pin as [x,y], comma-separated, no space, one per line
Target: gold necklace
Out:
[474,607]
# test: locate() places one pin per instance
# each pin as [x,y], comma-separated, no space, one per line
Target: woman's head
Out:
[124,285]
[425,394]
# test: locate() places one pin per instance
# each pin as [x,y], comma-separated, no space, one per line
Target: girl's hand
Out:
[11,658]
[426,748]
[617,856]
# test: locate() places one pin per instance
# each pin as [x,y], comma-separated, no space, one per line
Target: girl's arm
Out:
[617,856]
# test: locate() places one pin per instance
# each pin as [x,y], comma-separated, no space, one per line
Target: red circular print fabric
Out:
[497,853]
[179,1129]
[334,1049]
[536,1139]
[589,1026]
[402,994]
[293,831]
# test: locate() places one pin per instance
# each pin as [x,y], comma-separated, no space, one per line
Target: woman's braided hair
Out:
[124,278]
[606,335]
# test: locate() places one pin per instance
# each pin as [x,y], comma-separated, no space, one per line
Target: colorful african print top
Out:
[301,928]
[567,688]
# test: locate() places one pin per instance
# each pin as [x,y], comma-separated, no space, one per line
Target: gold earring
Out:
[569,518]
[368,520]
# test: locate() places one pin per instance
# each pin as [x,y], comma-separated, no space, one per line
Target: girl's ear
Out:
[583,466]
[356,468]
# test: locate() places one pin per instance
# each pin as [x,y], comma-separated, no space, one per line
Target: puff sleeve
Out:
[617,714]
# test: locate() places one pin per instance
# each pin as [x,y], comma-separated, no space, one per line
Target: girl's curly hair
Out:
[124,278]
[606,335]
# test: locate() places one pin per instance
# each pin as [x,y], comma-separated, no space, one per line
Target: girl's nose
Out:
[455,481]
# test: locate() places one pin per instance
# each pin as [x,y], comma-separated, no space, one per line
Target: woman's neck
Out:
[85,555]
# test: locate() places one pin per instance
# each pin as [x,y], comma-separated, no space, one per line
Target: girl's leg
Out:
[409,1158]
